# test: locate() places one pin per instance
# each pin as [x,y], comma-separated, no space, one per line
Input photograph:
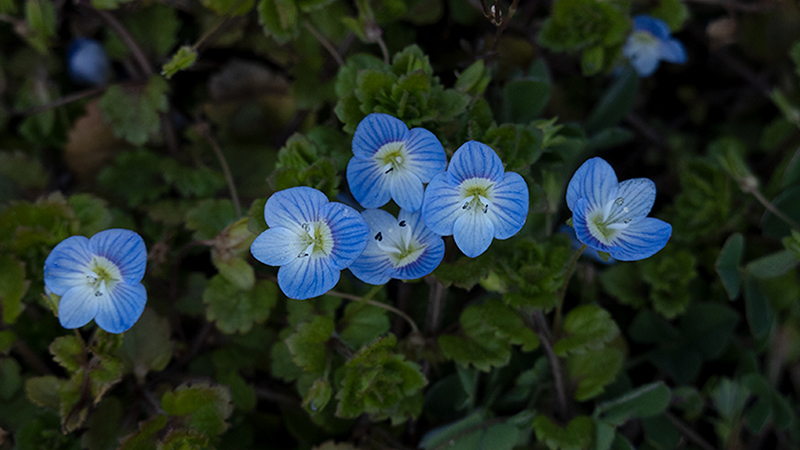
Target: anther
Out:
[302,255]
[619,201]
[379,237]
[306,226]
[98,294]
[389,170]
[485,208]
[402,223]
[626,220]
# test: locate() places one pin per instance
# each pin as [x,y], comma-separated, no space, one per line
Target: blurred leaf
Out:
[23,170]
[202,406]
[135,114]
[280,19]
[524,100]
[41,18]
[13,287]
[147,346]
[728,262]
[586,327]
[708,327]
[616,103]
[103,426]
[661,433]
[154,27]
[184,58]
[759,313]
[577,435]
[10,378]
[729,398]
[69,352]
[465,273]
[43,391]
[210,217]
[474,432]
[229,7]
[673,12]
[108,4]
[609,138]
[318,396]
[792,243]
[362,323]
[135,176]
[592,60]
[645,401]
[92,212]
[594,370]
[7,340]
[474,79]
[773,265]
[145,437]
[307,344]
[235,310]
[787,203]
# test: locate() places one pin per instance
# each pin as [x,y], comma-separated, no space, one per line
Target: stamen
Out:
[619,201]
[379,237]
[466,203]
[389,170]
[402,223]
[626,221]
[306,227]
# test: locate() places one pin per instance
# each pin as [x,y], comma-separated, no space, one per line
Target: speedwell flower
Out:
[612,217]
[98,278]
[391,161]
[402,248]
[649,43]
[475,200]
[311,238]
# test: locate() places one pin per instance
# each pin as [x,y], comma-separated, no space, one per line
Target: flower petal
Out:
[293,207]
[638,196]
[644,57]
[642,239]
[426,155]
[378,221]
[441,205]
[77,307]
[125,248]
[368,183]
[430,258]
[474,159]
[672,51]
[581,225]
[373,266]
[307,277]
[121,308]
[375,131]
[349,231]
[65,266]
[406,189]
[656,27]
[595,181]
[277,246]
[473,233]
[509,205]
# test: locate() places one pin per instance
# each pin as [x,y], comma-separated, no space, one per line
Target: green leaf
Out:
[577,435]
[524,100]
[464,273]
[7,340]
[243,394]
[474,432]
[41,18]
[202,406]
[594,370]
[728,262]
[318,395]
[661,433]
[474,79]
[69,352]
[673,12]
[13,287]
[103,426]
[592,60]
[307,344]
[707,327]
[760,316]
[108,4]
[586,327]
[210,217]
[229,7]
[237,271]
[183,59]
[773,265]
[155,28]
[280,19]
[616,103]
[362,323]
[729,398]
[44,391]
[787,203]
[645,401]
[134,114]
[235,310]
[24,170]
[147,346]
[10,378]
[792,243]
[145,437]
[135,177]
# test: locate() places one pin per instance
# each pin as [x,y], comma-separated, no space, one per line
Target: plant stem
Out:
[435,304]
[205,131]
[690,434]
[325,43]
[771,208]
[563,291]
[366,299]
[539,325]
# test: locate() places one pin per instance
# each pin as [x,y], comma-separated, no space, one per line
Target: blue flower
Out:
[312,240]
[651,42]
[87,62]
[475,200]
[392,162]
[402,248]
[99,278]
[612,217]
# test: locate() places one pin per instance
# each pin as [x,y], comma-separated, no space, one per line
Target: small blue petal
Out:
[125,249]
[475,160]
[367,183]
[308,277]
[349,231]
[293,207]
[473,233]
[121,307]
[375,131]
[77,307]
[581,225]
[65,266]
[595,181]
[672,51]
[378,220]
[406,189]
[426,154]
[638,196]
[642,239]
[373,266]
[509,206]
[430,258]
[644,55]
[656,27]
[441,205]
[88,62]
[277,246]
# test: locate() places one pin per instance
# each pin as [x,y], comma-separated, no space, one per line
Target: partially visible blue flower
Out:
[651,42]
[87,62]
[612,217]
[99,278]
[391,162]
[311,238]
[402,248]
[475,200]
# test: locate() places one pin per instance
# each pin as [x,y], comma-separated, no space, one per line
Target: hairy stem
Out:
[562,292]
[205,131]
[366,299]
[436,298]
[538,324]
[325,43]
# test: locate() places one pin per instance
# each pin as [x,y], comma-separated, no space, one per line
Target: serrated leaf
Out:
[203,407]
[235,310]
[474,79]
[362,324]
[134,114]
[280,19]
[69,352]
[183,59]
[728,262]
[210,217]
[145,437]
[587,326]
[147,346]
[645,401]
[307,344]
[577,435]
[43,391]
[237,271]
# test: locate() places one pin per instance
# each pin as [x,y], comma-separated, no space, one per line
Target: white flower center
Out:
[475,195]
[399,243]
[605,223]
[316,240]
[392,157]
[102,275]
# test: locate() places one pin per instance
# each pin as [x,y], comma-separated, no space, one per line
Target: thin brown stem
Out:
[384,49]
[127,39]
[60,101]
[325,43]
[562,292]
[365,299]
[539,325]
[504,24]
[771,208]
[690,434]
[436,298]
[205,130]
